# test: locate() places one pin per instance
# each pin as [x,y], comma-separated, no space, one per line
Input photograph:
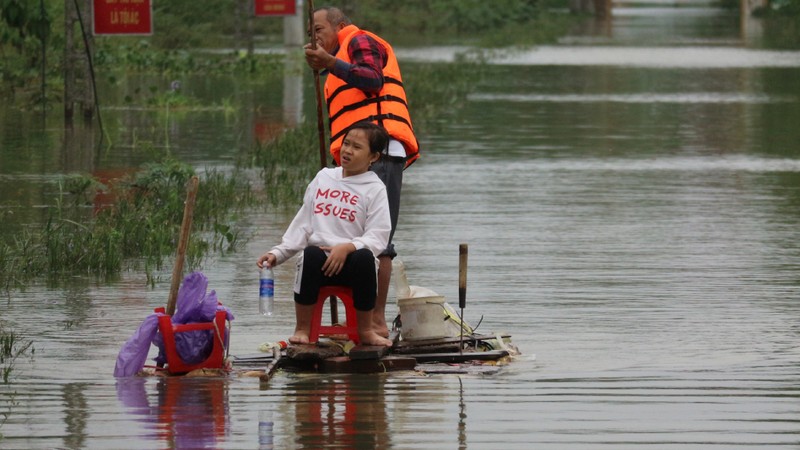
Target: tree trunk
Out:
[78,89]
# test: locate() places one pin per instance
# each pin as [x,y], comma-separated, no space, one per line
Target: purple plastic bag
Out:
[195,346]
[133,354]
[193,306]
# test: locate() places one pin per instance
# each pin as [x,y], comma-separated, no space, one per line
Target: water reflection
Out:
[646,98]
[78,151]
[638,57]
[462,417]
[349,411]
[186,413]
[76,414]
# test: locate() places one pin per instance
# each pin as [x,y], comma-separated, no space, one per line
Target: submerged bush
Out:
[499,23]
[141,227]
[288,163]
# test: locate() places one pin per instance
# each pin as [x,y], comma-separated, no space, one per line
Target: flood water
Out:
[631,202]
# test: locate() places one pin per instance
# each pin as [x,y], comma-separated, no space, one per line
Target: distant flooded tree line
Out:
[46,44]
[43,49]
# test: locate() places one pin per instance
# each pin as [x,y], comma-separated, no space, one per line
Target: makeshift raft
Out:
[428,336]
[470,354]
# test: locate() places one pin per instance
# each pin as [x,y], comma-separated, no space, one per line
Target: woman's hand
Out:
[266,260]
[336,258]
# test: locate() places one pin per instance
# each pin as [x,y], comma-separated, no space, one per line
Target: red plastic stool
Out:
[345,294]
[175,364]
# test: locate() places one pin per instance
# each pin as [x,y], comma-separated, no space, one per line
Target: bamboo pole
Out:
[323,159]
[186,226]
[273,366]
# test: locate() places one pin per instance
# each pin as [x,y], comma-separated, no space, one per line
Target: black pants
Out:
[357,273]
[390,170]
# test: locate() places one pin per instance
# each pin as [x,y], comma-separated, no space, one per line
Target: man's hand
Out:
[318,58]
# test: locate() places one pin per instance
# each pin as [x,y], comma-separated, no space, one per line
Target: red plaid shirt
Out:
[368,58]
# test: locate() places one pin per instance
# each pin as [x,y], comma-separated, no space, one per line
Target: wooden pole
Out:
[43,39]
[69,61]
[323,159]
[186,226]
[274,365]
[462,288]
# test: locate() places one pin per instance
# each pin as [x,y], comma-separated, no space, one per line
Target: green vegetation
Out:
[782,24]
[184,32]
[23,30]
[287,163]
[12,347]
[31,38]
[139,229]
[132,55]
[499,23]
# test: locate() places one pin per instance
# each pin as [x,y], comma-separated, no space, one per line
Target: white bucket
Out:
[423,318]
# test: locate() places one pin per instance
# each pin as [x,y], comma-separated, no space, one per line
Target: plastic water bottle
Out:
[266,291]
[265,430]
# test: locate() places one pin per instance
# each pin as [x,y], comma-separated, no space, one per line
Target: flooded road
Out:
[632,209]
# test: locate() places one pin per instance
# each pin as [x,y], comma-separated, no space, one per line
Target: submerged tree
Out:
[24,32]
[78,50]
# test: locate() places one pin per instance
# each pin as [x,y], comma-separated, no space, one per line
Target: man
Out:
[364,83]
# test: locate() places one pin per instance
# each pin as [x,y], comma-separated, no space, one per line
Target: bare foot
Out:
[372,338]
[379,325]
[300,337]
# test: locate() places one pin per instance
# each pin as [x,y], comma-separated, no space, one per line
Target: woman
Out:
[342,227]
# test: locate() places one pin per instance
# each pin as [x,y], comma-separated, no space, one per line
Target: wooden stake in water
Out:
[186,226]
[462,288]
[274,365]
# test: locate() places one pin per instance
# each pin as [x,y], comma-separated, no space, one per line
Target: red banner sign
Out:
[123,17]
[275,7]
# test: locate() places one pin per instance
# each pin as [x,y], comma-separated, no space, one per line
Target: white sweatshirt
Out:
[338,210]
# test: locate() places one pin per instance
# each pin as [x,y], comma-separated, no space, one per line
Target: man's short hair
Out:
[335,15]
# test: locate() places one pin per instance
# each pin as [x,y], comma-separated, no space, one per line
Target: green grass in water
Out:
[140,229]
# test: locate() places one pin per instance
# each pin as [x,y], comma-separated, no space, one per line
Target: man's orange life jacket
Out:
[389,108]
